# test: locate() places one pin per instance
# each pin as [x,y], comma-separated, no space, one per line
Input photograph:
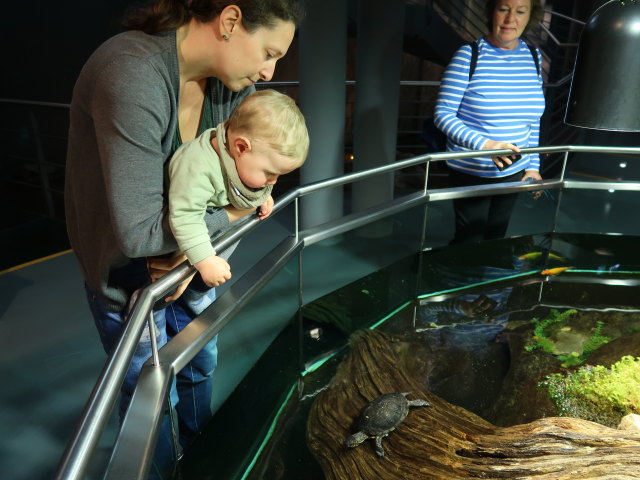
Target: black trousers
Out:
[481,218]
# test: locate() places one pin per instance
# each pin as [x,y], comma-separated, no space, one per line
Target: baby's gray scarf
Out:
[239,195]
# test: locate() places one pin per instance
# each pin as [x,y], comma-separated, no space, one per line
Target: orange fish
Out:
[554,271]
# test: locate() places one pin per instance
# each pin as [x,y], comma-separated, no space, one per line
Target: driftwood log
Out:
[448,442]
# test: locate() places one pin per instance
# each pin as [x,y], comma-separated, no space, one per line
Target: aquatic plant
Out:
[543,338]
[597,393]
[596,341]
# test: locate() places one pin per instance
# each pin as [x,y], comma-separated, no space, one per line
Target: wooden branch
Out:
[448,442]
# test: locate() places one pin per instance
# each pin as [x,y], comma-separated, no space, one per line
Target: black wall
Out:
[46,43]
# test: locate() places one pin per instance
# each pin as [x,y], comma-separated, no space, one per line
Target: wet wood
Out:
[448,442]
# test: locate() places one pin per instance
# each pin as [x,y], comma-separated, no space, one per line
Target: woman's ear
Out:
[230,18]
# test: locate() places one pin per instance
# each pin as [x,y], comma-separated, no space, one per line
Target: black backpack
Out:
[432,136]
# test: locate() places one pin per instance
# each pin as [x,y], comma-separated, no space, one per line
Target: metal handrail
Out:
[34,103]
[80,449]
[552,36]
[566,17]
[555,39]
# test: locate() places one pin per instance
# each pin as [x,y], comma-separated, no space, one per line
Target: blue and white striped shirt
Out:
[502,102]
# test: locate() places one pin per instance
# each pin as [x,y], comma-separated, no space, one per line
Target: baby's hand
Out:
[266,208]
[214,270]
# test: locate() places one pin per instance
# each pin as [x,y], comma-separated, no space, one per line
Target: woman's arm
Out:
[452,90]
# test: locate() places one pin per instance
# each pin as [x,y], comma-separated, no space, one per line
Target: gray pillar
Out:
[323,74]
[378,68]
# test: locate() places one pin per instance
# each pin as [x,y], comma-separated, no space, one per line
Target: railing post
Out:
[557,213]
[296,204]
[42,168]
[423,239]
[565,159]
[426,176]
[154,342]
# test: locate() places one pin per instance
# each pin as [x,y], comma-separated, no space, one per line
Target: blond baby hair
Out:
[273,118]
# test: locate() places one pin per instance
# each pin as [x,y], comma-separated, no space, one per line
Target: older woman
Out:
[181,68]
[497,107]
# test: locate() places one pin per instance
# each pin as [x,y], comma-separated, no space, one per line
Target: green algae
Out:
[596,393]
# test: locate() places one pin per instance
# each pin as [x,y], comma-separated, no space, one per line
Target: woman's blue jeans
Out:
[191,393]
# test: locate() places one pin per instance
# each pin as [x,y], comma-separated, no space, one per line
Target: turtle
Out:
[381,416]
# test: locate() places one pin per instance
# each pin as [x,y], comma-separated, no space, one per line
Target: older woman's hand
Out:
[531,176]
[501,161]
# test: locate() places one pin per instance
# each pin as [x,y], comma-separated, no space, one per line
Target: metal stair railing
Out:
[134,447]
[560,54]
[33,169]
[465,16]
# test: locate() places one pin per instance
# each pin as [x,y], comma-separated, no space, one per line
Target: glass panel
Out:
[261,355]
[448,270]
[533,214]
[598,211]
[262,239]
[330,320]
[357,253]
[355,280]
[529,216]
[440,224]
[503,349]
[602,253]
[606,167]
[326,326]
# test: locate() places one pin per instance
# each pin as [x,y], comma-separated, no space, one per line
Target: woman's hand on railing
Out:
[532,176]
[158,267]
[236,214]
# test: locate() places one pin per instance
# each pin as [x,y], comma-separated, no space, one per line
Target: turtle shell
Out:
[383,414]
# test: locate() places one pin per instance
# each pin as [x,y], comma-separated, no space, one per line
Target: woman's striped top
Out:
[503,101]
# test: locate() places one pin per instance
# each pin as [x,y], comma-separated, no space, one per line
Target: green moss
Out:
[596,393]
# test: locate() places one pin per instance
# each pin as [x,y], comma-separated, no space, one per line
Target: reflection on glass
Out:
[598,212]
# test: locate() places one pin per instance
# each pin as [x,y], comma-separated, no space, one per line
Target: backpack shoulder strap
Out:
[474,58]
[534,54]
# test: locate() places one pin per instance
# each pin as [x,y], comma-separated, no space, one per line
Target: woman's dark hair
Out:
[535,17]
[165,15]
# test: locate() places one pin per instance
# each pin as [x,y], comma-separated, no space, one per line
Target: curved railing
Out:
[133,451]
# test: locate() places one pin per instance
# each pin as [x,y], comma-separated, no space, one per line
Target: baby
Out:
[236,163]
